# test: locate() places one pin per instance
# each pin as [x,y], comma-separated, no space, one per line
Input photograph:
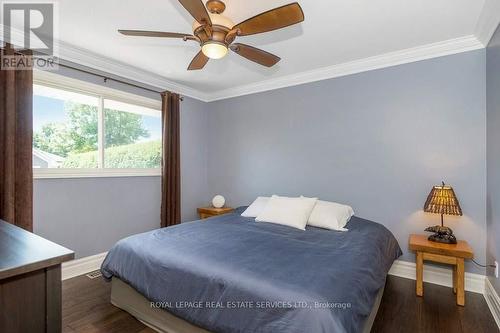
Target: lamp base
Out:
[442,235]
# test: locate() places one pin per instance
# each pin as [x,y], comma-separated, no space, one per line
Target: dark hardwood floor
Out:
[402,311]
[86,308]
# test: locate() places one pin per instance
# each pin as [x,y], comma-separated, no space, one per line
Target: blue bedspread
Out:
[232,274]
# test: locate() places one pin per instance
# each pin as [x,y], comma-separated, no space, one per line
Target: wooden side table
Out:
[206,212]
[451,254]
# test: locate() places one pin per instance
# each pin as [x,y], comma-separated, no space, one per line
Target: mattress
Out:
[127,298]
[232,274]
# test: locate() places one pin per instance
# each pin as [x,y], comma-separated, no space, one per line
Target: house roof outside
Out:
[51,159]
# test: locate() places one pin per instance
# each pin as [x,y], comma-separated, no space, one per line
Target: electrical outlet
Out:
[496,269]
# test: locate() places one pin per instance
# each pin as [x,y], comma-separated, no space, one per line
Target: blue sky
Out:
[48,110]
[153,125]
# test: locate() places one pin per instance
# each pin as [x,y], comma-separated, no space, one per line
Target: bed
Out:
[232,274]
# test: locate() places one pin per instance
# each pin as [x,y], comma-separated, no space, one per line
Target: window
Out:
[79,132]
[64,128]
[132,136]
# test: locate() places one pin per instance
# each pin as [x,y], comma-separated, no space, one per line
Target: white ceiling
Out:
[334,32]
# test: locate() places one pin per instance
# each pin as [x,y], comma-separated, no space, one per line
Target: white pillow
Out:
[292,212]
[330,215]
[256,207]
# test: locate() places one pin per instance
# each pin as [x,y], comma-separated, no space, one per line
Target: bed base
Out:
[128,299]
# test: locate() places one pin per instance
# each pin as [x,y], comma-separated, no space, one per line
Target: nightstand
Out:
[451,254]
[206,212]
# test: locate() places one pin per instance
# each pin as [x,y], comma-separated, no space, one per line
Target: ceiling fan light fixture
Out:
[214,50]
[216,33]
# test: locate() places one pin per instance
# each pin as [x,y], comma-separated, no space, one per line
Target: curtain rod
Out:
[105,78]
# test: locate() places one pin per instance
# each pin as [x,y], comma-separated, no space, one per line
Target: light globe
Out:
[218,201]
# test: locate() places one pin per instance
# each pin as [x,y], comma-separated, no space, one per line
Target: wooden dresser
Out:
[30,281]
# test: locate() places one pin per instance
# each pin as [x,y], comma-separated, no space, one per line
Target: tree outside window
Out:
[67,125]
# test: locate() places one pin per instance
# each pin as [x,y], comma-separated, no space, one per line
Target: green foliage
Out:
[138,155]
[123,128]
[82,126]
[79,134]
[86,160]
[54,138]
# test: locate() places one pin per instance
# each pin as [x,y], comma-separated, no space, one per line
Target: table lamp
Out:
[442,200]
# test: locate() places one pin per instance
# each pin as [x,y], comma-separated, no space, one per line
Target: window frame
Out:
[58,81]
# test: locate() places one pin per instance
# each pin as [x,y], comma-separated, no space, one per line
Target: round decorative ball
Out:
[218,201]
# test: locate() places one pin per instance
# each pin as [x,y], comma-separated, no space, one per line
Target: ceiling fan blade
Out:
[198,62]
[197,10]
[273,19]
[145,33]
[256,55]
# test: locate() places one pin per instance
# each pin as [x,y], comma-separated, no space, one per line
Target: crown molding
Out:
[452,46]
[488,21]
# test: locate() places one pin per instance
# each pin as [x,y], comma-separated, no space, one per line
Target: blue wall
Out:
[493,116]
[377,140]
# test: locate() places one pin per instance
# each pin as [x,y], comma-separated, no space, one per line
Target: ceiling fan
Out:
[216,33]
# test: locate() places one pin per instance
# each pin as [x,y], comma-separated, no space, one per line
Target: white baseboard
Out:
[82,266]
[493,301]
[437,275]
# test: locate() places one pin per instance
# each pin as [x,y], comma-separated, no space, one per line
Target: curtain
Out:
[171,172]
[16,131]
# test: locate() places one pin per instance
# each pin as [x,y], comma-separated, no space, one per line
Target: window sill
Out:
[93,173]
